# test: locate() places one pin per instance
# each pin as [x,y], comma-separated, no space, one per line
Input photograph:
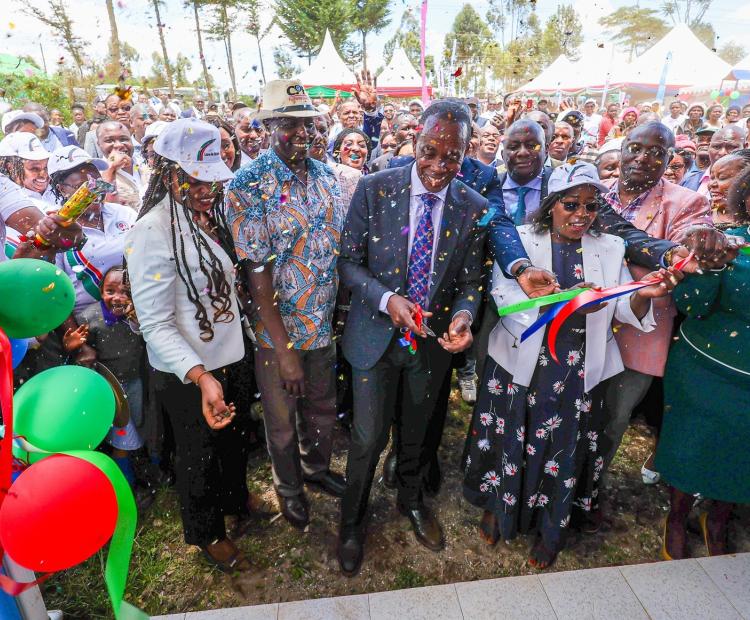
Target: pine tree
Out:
[370,16]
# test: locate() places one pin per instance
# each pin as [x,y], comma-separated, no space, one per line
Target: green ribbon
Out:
[121,544]
[745,249]
[538,302]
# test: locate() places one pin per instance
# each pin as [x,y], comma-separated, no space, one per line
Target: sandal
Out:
[541,558]
[703,522]
[489,528]
[237,562]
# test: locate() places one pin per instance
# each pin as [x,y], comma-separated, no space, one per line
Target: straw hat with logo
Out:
[286,98]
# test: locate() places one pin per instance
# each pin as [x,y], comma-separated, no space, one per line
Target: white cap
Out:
[24,145]
[154,129]
[69,157]
[20,115]
[324,108]
[196,147]
[615,144]
[568,176]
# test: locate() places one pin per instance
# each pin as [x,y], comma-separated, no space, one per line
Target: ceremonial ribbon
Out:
[408,339]
[121,543]
[537,302]
[573,300]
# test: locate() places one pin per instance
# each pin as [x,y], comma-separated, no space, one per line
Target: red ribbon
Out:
[599,296]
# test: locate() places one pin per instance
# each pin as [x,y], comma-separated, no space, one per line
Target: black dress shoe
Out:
[433,480]
[389,470]
[330,482]
[351,550]
[295,510]
[426,527]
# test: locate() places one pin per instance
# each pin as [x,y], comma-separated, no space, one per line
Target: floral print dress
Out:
[532,454]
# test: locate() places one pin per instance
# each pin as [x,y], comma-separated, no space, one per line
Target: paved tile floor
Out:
[699,589]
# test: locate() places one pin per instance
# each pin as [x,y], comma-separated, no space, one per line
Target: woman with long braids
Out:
[182,283]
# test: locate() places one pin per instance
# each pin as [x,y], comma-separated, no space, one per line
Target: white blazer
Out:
[166,315]
[602,265]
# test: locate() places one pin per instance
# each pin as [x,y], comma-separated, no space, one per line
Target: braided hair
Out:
[219,290]
[12,167]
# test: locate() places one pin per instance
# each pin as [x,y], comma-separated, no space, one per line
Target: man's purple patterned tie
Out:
[420,260]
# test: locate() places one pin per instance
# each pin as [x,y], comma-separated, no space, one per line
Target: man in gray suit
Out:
[411,239]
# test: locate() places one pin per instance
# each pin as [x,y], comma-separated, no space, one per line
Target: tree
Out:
[691,13]
[178,70]
[370,16]
[128,56]
[304,23]
[61,25]
[562,35]
[685,11]
[732,52]
[202,56]
[472,36]
[115,66]
[496,18]
[519,61]
[259,33]
[635,29]
[165,57]
[285,67]
[225,16]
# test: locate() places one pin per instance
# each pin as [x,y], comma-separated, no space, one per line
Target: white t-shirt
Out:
[591,128]
[12,199]
[48,197]
[673,123]
[103,249]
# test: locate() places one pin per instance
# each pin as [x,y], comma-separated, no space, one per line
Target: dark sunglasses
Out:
[572,206]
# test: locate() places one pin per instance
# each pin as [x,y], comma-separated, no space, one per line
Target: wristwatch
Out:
[524,266]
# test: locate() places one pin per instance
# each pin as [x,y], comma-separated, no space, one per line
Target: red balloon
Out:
[58,512]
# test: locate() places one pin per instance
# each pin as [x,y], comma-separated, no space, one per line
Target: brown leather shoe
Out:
[389,470]
[426,527]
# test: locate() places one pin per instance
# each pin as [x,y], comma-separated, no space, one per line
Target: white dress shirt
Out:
[165,314]
[416,208]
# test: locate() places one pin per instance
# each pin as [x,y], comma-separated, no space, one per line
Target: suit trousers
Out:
[211,465]
[376,391]
[299,431]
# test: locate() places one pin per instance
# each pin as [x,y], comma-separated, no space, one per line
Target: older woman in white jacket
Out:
[533,451]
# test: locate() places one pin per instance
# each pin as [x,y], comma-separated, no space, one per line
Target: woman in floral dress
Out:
[533,450]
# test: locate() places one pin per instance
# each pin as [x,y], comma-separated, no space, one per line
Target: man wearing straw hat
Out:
[286,214]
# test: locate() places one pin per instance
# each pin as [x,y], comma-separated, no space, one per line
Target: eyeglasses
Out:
[126,108]
[654,152]
[572,206]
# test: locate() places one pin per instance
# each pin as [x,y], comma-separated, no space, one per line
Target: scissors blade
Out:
[428,331]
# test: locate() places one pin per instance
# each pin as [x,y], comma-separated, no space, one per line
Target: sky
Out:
[136,23]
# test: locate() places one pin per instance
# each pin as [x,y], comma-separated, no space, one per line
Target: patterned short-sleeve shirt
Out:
[275,217]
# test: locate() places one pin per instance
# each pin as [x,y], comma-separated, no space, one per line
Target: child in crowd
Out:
[105,327]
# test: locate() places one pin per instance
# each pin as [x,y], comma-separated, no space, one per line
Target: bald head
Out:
[114,136]
[545,122]
[524,150]
[725,141]
[645,155]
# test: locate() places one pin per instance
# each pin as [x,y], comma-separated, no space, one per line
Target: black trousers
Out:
[211,466]
[375,408]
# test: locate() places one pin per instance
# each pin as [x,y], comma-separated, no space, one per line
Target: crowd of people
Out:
[337,261]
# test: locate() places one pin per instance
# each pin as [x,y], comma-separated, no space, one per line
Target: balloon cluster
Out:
[727,94]
[67,501]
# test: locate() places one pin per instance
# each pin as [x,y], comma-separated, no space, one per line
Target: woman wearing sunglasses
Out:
[533,450]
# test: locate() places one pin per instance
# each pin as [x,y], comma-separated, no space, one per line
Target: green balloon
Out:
[37,297]
[735,94]
[64,408]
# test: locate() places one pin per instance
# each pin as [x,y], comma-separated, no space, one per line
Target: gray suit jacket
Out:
[374,259]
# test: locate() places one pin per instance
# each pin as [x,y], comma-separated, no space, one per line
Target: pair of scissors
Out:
[420,323]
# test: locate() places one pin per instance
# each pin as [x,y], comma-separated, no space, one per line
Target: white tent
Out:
[691,62]
[399,78]
[551,79]
[328,69]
